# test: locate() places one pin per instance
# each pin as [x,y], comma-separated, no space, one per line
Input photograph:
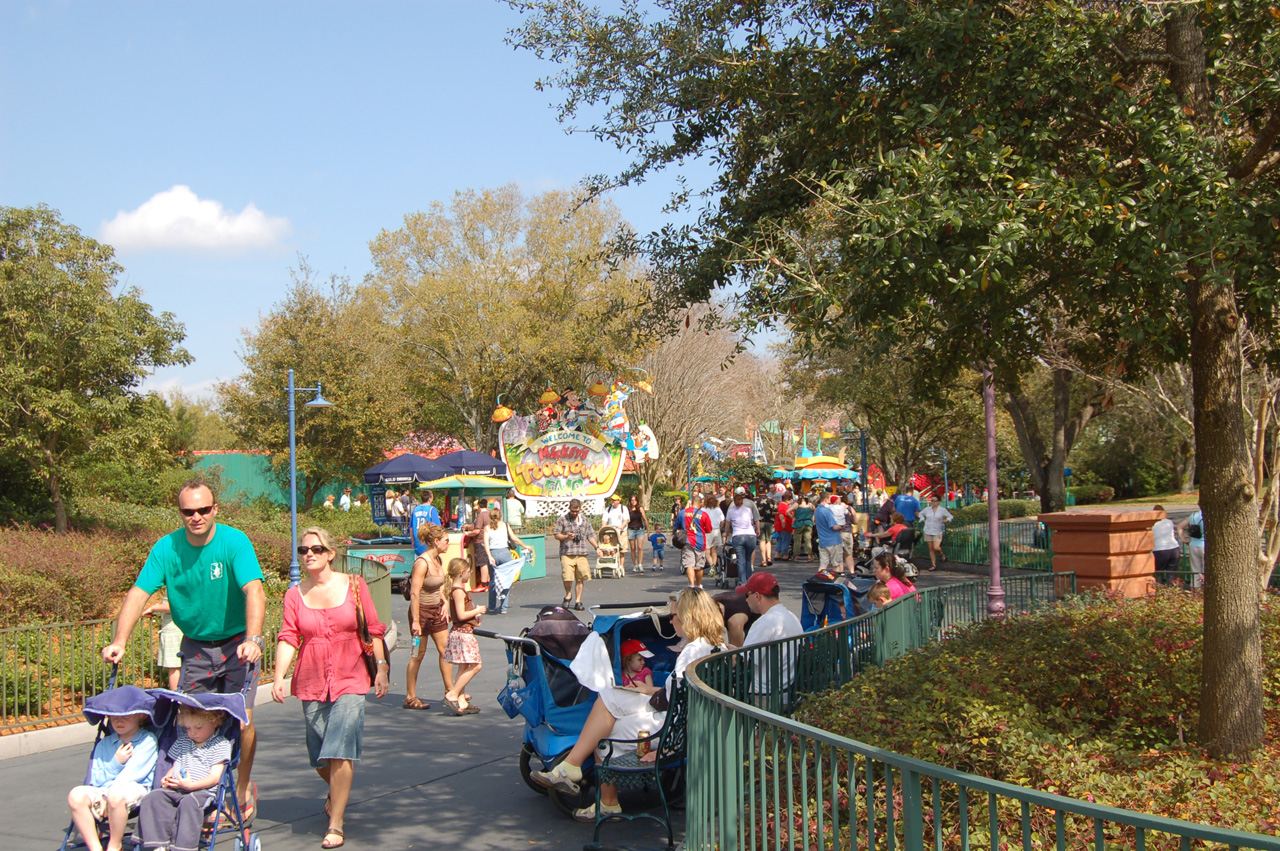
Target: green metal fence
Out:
[1023,544]
[759,780]
[46,671]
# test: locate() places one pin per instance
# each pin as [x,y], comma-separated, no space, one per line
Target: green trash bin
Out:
[377,576]
[537,569]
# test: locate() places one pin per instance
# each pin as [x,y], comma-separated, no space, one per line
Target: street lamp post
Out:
[995,593]
[295,571]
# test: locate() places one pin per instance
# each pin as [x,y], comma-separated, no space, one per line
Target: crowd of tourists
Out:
[331,640]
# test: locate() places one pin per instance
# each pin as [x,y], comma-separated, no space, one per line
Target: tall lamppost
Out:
[995,593]
[295,572]
[849,432]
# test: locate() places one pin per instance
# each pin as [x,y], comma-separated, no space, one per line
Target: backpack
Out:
[1196,530]
[679,539]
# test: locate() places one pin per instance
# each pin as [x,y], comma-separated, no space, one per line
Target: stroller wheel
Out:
[526,770]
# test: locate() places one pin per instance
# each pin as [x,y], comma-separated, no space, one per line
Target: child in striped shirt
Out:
[172,815]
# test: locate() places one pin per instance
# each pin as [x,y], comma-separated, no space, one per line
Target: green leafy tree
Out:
[200,424]
[331,333]
[971,171]
[498,293]
[73,350]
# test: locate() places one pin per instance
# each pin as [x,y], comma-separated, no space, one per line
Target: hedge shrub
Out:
[1090,700]
[1009,509]
[1091,494]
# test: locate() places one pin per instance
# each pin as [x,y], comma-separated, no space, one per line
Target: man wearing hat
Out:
[345,502]
[775,622]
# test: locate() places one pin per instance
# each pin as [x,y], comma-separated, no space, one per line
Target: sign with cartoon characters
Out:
[570,448]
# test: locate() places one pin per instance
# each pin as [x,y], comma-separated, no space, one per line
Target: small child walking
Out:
[658,540]
[635,673]
[120,775]
[462,649]
[171,816]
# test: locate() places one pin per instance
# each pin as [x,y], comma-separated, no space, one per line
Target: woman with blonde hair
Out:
[428,616]
[321,627]
[623,714]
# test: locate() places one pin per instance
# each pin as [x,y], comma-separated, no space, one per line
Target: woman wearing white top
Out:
[624,714]
[497,540]
[716,539]
[1165,545]
[935,526]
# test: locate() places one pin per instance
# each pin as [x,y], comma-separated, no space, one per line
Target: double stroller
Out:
[224,813]
[541,688]
[900,547]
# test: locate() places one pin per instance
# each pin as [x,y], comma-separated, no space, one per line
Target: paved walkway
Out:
[427,780]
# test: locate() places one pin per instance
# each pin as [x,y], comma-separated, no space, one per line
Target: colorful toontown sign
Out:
[560,464]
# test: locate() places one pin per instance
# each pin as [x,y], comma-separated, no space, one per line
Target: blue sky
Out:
[213,143]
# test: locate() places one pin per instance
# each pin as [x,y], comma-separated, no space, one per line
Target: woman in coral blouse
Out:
[331,678]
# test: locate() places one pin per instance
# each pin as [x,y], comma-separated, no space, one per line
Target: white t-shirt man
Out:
[774,624]
[616,516]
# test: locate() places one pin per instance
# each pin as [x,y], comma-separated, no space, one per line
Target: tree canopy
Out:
[965,173]
[73,350]
[499,293]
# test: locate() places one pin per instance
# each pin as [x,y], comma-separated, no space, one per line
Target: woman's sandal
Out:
[415,703]
[327,806]
[453,705]
[333,831]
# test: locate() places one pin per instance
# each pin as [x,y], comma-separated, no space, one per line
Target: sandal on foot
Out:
[415,703]
[453,705]
[333,831]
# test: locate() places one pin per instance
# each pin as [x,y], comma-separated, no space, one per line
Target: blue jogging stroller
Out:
[541,688]
[162,706]
[830,599]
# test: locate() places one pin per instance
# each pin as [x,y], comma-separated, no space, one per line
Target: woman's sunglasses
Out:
[191,512]
[314,549]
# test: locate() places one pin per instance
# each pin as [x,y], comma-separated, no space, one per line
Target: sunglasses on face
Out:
[314,549]
[191,512]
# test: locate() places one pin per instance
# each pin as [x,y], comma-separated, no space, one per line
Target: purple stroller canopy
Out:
[232,704]
[123,700]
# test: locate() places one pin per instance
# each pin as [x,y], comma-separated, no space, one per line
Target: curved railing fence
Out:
[759,780]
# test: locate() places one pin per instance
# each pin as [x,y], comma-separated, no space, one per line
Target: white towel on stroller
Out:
[594,669]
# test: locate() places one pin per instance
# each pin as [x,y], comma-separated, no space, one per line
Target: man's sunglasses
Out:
[314,549]
[191,512]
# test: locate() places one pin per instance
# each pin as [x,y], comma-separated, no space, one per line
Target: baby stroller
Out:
[901,549]
[554,705]
[608,563]
[162,705]
[727,570]
[830,599]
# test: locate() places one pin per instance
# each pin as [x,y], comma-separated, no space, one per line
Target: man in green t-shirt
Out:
[216,598]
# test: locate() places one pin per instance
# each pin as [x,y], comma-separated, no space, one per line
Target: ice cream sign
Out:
[559,463]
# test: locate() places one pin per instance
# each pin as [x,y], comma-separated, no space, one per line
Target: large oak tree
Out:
[975,169]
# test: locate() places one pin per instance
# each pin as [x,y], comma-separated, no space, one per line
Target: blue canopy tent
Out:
[405,469]
[464,462]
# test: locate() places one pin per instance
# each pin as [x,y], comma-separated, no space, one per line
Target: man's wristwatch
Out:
[256,639]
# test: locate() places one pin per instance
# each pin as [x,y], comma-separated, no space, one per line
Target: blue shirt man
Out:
[907,505]
[424,513]
[823,521]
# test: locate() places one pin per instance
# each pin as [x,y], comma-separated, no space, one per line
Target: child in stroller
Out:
[160,826]
[120,769]
[607,562]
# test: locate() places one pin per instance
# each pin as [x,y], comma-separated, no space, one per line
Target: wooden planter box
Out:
[1105,548]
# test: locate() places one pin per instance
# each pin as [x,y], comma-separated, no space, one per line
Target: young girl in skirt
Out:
[462,649]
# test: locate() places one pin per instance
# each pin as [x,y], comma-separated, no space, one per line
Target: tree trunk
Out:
[1231,674]
[59,505]
[1186,467]
[1054,496]
[309,492]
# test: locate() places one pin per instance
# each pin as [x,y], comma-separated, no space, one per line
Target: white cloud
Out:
[177,218]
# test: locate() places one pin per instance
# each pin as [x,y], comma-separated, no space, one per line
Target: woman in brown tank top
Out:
[426,612]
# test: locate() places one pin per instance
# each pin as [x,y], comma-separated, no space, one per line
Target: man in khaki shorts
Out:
[577,540]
